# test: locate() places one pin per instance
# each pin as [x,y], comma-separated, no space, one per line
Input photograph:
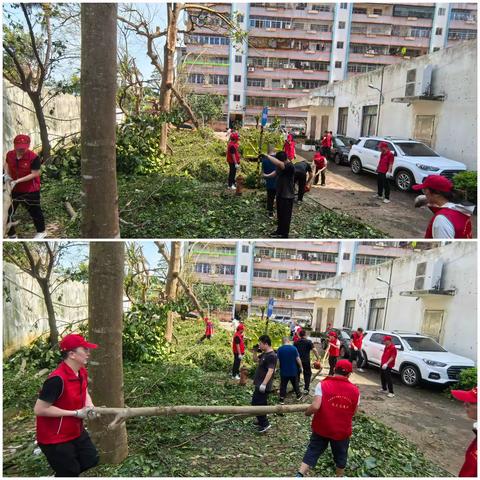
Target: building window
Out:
[360,10]
[309,276]
[224,269]
[436,49]
[238,59]
[202,268]
[245,248]
[438,31]
[236,98]
[370,259]
[346,256]
[376,314]
[255,82]
[339,44]
[240,17]
[196,78]
[377,11]
[262,273]
[433,324]
[461,14]
[458,34]
[244,268]
[276,83]
[342,121]
[237,78]
[349,312]
[369,120]
[343,5]
[441,12]
[243,288]
[338,64]
[219,79]
[341,25]
[413,11]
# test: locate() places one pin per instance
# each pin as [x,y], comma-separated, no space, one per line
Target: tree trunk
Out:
[168,77]
[98,120]
[171,287]
[105,313]
[52,321]
[42,124]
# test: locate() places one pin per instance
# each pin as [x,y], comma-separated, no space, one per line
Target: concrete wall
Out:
[24,313]
[63,116]
[454,75]
[459,333]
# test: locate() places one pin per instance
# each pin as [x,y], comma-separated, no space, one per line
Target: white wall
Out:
[454,75]
[406,313]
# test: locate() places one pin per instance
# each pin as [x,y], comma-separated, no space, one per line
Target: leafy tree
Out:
[208,107]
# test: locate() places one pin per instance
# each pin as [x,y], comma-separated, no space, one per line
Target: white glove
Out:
[86,412]
[13,183]
[355,348]
[384,366]
[240,357]
[420,201]
[237,166]
[262,388]
[7,177]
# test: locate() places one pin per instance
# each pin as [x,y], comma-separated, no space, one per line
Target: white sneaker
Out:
[386,200]
[233,187]
[390,395]
[236,377]
[40,235]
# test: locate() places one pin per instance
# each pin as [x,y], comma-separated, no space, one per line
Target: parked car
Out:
[341,146]
[413,160]
[281,319]
[343,334]
[419,357]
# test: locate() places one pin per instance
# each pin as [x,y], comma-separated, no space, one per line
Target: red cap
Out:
[289,137]
[435,182]
[387,338]
[73,341]
[344,365]
[332,333]
[21,141]
[469,396]
[383,145]
[240,327]
[234,136]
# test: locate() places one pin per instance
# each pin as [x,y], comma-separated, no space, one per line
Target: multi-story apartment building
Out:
[293,48]
[257,271]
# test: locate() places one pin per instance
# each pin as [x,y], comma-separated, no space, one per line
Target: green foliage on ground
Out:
[255,328]
[467,181]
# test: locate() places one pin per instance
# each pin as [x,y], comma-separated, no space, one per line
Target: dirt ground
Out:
[426,416]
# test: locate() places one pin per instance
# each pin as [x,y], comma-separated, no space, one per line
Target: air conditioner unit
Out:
[290,85]
[298,277]
[419,83]
[258,259]
[251,69]
[290,277]
[428,275]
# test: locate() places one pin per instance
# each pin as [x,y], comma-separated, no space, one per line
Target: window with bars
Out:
[306,84]
[202,268]
[360,10]
[413,11]
[362,67]
[314,276]
[198,78]
[370,259]
[349,313]
[376,314]
[273,292]
[342,120]
[461,14]
[216,79]
[262,273]
[458,34]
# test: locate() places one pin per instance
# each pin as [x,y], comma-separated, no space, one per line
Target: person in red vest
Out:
[320,168]
[384,167]
[62,405]
[233,159]
[208,330]
[296,333]
[333,350]
[334,406]
[238,347]
[387,362]
[356,348]
[451,219]
[23,167]
[289,147]
[469,398]
[326,144]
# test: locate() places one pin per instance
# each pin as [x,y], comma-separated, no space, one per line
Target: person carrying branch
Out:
[22,166]
[238,347]
[208,330]
[62,405]
[321,164]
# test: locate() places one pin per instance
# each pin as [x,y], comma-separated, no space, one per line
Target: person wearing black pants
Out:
[283,387]
[333,350]
[285,173]
[232,172]
[384,167]
[332,361]
[303,174]
[31,201]
[383,186]
[387,362]
[386,379]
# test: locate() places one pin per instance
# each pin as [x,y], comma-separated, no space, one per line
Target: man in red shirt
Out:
[23,167]
[387,363]
[320,168]
[233,159]
[238,347]
[469,468]
[333,407]
[326,144]
[356,348]
[333,350]
[208,330]
[62,405]
[385,166]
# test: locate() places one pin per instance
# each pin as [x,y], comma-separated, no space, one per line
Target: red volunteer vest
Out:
[289,149]
[319,161]
[334,349]
[241,344]
[461,222]
[20,168]
[63,429]
[235,157]
[357,340]
[209,328]
[469,468]
[389,352]
[325,141]
[339,402]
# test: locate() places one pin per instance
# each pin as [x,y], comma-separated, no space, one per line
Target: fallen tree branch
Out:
[122,414]
[70,210]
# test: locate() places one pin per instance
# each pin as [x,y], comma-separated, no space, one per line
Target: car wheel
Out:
[410,375]
[404,180]
[337,159]
[356,165]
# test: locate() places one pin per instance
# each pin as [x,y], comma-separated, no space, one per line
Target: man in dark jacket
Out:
[304,347]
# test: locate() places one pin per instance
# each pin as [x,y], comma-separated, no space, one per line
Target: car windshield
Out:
[423,344]
[340,142]
[345,335]
[416,150]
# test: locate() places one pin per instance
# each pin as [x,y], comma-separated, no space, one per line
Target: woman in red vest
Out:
[469,398]
[238,347]
[23,167]
[333,350]
[63,403]
[233,159]
[451,218]
[289,147]
[320,168]
[387,362]
[208,330]
[333,407]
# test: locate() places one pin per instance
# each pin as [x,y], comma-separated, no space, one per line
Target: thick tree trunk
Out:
[105,313]
[52,321]
[171,287]
[42,124]
[98,120]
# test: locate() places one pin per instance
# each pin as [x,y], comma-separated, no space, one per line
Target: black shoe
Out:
[264,429]
[270,215]
[281,401]
[299,396]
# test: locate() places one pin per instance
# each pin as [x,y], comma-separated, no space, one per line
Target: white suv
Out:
[419,357]
[413,161]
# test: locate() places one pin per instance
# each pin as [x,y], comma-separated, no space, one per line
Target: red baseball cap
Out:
[469,396]
[21,141]
[386,338]
[435,182]
[241,326]
[332,333]
[234,136]
[383,145]
[344,365]
[73,341]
